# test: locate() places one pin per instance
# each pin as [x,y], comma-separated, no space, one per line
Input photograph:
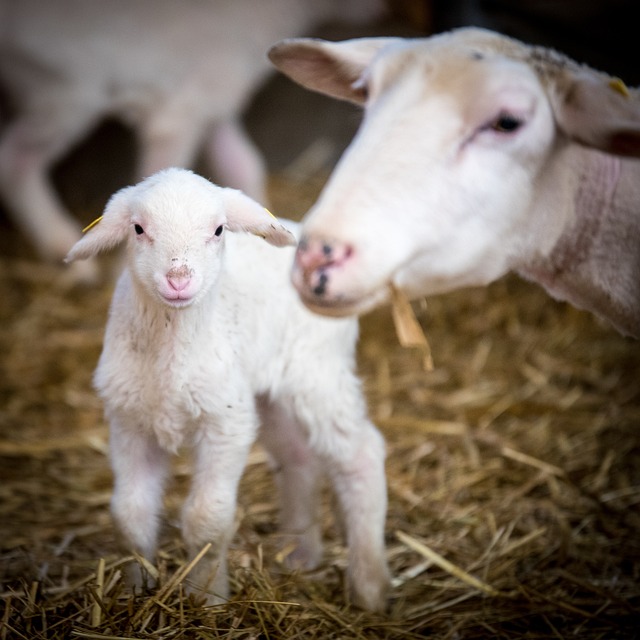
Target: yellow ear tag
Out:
[269,212]
[618,85]
[93,224]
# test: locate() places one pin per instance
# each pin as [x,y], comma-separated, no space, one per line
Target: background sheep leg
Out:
[168,138]
[172,138]
[235,159]
[28,148]
[297,474]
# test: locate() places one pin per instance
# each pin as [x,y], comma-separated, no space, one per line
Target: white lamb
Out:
[207,342]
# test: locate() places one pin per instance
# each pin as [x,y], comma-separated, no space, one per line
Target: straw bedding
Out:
[513,471]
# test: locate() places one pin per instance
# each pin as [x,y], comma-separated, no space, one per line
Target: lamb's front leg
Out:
[140,468]
[208,514]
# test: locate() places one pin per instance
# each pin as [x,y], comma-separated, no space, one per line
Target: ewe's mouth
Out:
[341,306]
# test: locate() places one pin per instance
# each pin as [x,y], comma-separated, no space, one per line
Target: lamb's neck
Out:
[595,262]
[173,328]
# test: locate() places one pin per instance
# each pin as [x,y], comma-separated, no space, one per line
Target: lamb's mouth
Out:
[176,302]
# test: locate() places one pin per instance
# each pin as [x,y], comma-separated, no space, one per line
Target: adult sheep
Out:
[179,74]
[478,155]
[206,342]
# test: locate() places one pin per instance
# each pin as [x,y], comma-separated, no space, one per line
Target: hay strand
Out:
[444,564]
[96,610]
[408,329]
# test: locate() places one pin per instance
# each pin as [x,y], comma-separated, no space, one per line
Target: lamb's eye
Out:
[506,123]
[218,231]
[139,230]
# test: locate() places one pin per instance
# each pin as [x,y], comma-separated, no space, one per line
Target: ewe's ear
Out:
[599,111]
[109,231]
[245,214]
[327,67]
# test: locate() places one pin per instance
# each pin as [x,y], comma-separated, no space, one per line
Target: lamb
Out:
[206,341]
[478,155]
[179,73]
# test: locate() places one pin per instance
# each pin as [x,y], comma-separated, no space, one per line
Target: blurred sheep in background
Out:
[179,73]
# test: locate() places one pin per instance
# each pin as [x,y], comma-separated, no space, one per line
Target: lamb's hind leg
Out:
[359,482]
[297,474]
[352,451]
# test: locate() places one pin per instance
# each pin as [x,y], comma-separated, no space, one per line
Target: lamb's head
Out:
[174,224]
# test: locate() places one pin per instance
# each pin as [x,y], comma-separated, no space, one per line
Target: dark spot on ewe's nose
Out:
[321,288]
[327,249]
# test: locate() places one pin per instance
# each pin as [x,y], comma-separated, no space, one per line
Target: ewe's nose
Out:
[319,253]
[179,278]
[316,258]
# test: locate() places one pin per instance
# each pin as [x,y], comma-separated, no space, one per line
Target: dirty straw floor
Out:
[513,467]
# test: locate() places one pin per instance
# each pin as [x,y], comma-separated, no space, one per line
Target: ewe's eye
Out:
[218,231]
[139,230]
[506,123]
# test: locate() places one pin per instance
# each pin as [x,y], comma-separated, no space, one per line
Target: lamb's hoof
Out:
[206,598]
[369,590]
[299,552]
[138,579]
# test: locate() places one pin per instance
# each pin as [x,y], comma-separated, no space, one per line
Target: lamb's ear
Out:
[598,111]
[245,214]
[328,67]
[108,231]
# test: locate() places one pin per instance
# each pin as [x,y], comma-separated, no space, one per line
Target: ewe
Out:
[478,155]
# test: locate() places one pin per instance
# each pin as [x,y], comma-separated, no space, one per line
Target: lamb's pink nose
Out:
[315,259]
[179,278]
[178,283]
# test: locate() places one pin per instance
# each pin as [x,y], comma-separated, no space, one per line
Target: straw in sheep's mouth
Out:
[408,329]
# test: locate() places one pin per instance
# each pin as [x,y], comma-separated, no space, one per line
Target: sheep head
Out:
[174,225]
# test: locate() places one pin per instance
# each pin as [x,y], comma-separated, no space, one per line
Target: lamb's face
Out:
[176,243]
